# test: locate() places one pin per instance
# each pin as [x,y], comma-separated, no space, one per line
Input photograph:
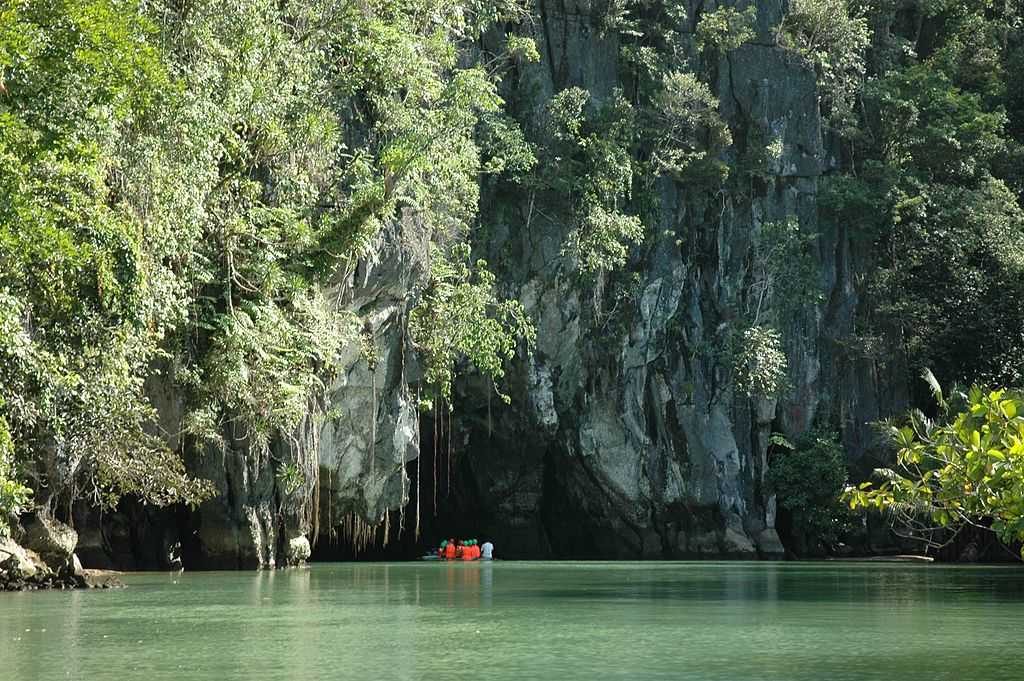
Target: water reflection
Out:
[706,622]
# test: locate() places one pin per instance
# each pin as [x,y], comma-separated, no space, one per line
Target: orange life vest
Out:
[449,552]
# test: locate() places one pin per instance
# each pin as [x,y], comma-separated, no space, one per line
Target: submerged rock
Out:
[99,579]
[737,545]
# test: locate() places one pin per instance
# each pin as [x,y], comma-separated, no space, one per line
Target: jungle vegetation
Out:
[181,185]
[185,183]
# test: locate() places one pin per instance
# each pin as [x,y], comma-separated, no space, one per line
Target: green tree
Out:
[807,478]
[75,333]
[834,36]
[14,495]
[966,468]
[181,184]
[726,28]
[689,133]
[943,231]
[461,316]
[588,158]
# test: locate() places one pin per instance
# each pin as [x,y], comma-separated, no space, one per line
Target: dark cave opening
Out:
[441,495]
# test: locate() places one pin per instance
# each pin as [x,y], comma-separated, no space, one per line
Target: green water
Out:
[508,620]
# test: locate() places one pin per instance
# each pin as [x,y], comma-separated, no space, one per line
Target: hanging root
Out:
[401,508]
[361,535]
[419,478]
[449,449]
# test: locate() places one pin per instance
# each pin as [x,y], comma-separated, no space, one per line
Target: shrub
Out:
[807,478]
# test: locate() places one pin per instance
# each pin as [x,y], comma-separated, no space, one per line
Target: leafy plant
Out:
[460,315]
[834,36]
[590,161]
[967,468]
[726,28]
[761,364]
[14,496]
[807,478]
[786,271]
[290,478]
[689,132]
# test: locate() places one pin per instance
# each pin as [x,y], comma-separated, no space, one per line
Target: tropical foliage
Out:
[181,184]
[966,468]
[807,477]
[461,316]
[932,191]
[187,189]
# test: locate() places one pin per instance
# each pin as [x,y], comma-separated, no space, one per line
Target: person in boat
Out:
[469,550]
[487,551]
[450,550]
[440,550]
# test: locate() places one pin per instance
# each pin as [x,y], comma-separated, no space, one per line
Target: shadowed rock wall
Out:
[625,438]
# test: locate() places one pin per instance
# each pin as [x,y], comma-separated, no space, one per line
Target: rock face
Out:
[352,463]
[51,539]
[624,438]
[364,450]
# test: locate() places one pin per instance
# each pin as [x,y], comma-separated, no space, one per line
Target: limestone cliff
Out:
[625,437]
[351,452]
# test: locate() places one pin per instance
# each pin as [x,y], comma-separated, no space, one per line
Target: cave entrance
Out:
[447,506]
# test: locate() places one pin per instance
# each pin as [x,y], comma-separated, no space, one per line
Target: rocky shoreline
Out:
[39,554]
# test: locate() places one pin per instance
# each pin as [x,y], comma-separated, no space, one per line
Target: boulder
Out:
[53,540]
[98,579]
[737,544]
[16,562]
[769,546]
[298,551]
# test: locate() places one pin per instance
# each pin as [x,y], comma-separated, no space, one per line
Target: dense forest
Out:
[651,276]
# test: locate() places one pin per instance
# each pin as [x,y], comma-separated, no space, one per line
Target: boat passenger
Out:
[440,550]
[449,550]
[487,551]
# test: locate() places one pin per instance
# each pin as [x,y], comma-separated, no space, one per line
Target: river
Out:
[512,620]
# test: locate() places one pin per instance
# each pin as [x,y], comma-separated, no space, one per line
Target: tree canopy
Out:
[181,183]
